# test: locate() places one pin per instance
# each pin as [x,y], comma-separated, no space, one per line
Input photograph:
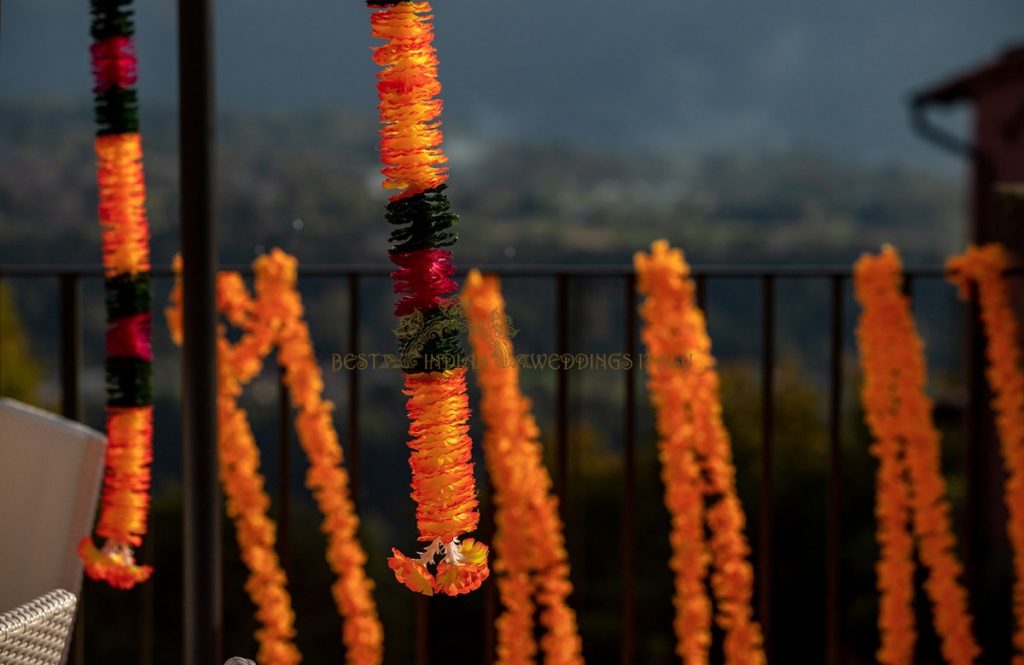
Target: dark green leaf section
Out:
[117,111]
[128,382]
[432,345]
[127,295]
[424,221]
[111,18]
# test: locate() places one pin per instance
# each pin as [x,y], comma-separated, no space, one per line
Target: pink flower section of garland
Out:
[113,63]
[129,337]
[423,279]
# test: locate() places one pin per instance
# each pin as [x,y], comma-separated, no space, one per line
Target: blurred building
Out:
[995,151]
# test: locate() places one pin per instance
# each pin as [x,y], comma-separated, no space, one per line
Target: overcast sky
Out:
[682,74]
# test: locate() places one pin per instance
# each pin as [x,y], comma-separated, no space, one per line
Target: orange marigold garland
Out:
[129,355]
[281,308]
[531,559]
[410,147]
[907,445]
[985,266]
[895,568]
[274,317]
[239,460]
[697,468]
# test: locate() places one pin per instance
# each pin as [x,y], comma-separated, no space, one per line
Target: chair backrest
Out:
[36,632]
[239,661]
[50,472]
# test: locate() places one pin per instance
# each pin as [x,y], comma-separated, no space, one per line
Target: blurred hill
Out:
[308,182]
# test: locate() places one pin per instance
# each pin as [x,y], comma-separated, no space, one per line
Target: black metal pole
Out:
[202,548]
[353,461]
[765,535]
[833,525]
[70,347]
[562,399]
[629,500]
[71,407]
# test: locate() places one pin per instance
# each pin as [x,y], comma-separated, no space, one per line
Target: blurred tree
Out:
[19,371]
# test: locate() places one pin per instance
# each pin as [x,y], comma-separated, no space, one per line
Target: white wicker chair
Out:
[37,632]
[50,472]
[239,661]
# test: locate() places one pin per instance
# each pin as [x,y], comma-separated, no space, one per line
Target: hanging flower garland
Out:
[444,488]
[275,318]
[239,462]
[697,468]
[531,559]
[895,568]
[985,266]
[129,355]
[907,445]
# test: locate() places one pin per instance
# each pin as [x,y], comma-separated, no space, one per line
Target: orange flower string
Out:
[410,148]
[128,363]
[280,307]
[122,194]
[443,486]
[528,541]
[880,359]
[697,467]
[985,266]
[275,317]
[899,414]
[410,143]
[125,500]
[239,461]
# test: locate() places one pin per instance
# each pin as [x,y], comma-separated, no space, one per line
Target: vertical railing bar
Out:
[353,461]
[765,541]
[629,508]
[834,508]
[562,396]
[284,470]
[202,588]
[421,639]
[70,353]
[2,304]
[76,652]
[490,598]
[977,525]
[70,346]
[147,600]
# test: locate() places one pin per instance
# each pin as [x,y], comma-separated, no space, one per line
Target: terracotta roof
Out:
[1008,68]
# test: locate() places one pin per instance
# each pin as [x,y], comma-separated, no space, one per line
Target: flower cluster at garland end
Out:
[274,318]
[122,197]
[909,480]
[444,487]
[531,561]
[985,268]
[697,468]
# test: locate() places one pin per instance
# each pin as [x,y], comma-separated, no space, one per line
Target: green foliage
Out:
[20,373]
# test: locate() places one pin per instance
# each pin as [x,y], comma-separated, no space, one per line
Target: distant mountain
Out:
[308,182]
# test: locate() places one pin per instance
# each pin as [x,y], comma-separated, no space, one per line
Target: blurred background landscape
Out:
[577,132]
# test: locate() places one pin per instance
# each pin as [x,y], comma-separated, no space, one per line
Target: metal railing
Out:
[837,279]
